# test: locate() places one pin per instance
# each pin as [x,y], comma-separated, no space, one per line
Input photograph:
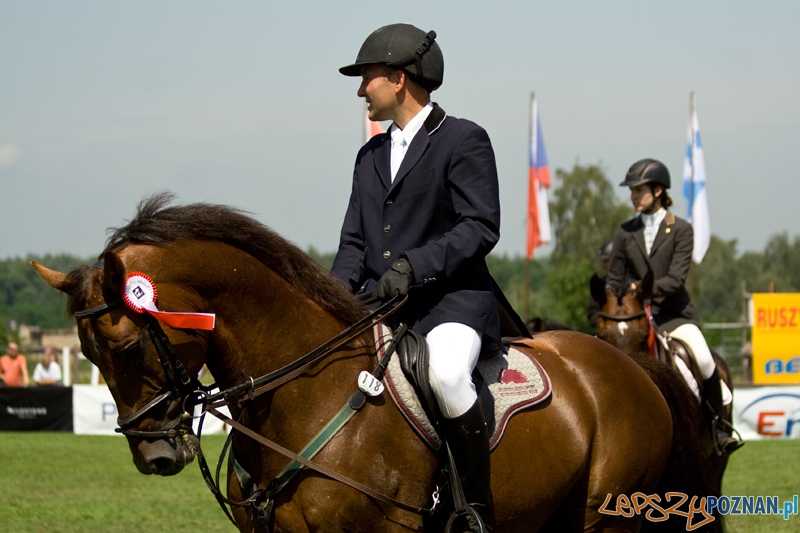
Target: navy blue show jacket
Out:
[442,213]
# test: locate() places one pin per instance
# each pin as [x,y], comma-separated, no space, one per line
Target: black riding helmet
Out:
[647,171]
[405,47]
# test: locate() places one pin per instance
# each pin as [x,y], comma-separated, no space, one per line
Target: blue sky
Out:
[241,103]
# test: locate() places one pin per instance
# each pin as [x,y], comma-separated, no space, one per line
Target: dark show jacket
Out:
[670,258]
[442,212]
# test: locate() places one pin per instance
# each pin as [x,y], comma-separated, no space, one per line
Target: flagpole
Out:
[692,160]
[531,134]
[693,156]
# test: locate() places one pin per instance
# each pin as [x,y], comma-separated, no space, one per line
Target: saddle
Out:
[678,355]
[505,382]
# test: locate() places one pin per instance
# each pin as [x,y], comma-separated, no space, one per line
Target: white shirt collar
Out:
[413,126]
[655,219]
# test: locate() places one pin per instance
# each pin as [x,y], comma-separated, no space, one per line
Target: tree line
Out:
[584,214]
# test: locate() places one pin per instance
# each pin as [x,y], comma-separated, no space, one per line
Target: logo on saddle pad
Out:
[509,375]
[515,380]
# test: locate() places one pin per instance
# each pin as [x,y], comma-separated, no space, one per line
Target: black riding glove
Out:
[396,280]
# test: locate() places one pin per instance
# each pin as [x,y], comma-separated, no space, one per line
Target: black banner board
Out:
[36,408]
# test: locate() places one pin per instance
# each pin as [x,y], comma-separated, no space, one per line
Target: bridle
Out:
[192,393]
[652,346]
[179,383]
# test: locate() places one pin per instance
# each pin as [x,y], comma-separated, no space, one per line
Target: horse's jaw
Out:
[163,457]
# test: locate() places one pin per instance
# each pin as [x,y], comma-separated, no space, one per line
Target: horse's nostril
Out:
[162,466]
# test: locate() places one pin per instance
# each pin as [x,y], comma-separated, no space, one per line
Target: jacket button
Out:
[387,254]
[389,202]
[387,228]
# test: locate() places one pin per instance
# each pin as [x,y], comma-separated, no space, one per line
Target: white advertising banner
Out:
[93,410]
[95,413]
[771,412]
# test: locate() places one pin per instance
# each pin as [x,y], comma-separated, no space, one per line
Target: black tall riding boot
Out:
[468,438]
[721,430]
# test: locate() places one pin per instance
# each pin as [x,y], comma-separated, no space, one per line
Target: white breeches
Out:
[454,350]
[691,335]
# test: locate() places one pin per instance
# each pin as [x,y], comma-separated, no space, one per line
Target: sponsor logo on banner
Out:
[771,414]
[776,338]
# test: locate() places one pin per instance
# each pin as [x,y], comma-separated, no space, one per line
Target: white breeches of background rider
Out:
[691,335]
[454,350]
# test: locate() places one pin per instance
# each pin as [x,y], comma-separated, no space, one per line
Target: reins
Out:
[257,386]
[193,394]
[317,467]
[261,499]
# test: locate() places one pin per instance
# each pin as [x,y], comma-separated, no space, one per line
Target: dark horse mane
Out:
[159,224]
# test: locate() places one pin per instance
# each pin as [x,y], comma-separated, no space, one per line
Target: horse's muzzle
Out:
[163,457]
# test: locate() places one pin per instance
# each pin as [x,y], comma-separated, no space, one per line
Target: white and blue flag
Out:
[694,189]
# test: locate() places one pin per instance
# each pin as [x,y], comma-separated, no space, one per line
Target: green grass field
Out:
[60,482]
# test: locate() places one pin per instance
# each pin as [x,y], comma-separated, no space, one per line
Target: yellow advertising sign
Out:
[776,338]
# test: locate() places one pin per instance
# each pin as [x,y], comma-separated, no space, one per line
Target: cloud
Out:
[9,154]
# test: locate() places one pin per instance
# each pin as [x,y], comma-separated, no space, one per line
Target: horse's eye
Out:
[129,351]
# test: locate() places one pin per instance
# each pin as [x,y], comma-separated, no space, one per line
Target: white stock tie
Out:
[399,146]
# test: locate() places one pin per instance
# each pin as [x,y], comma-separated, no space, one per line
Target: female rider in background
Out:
[657,240]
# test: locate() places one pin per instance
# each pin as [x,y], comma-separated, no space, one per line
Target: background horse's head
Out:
[622,320]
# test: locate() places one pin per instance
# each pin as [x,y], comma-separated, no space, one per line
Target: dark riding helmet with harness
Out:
[404,47]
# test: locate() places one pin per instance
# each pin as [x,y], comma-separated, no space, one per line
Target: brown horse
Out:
[623,322]
[553,471]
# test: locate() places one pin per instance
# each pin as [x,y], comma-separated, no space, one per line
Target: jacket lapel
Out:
[414,152]
[638,234]
[663,230]
[382,163]
[420,143]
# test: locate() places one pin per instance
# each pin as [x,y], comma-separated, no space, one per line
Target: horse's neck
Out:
[263,323]
[264,328]
[275,327]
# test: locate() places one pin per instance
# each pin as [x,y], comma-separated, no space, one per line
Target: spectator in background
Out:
[48,372]
[14,367]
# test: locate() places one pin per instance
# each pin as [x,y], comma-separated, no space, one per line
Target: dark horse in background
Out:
[606,431]
[623,322]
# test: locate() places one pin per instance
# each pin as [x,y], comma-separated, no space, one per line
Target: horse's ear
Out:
[57,280]
[645,288]
[113,273]
[598,288]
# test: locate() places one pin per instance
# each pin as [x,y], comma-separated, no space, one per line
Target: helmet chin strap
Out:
[654,206]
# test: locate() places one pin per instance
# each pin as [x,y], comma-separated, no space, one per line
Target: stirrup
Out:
[473,519]
[722,435]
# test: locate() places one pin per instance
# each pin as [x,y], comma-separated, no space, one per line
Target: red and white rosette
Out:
[140,294]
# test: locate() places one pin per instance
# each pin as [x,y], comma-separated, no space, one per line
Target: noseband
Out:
[183,387]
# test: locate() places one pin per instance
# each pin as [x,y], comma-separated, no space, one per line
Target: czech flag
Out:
[538,183]
[694,187]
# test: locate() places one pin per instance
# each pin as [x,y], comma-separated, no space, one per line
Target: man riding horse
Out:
[657,240]
[423,214]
